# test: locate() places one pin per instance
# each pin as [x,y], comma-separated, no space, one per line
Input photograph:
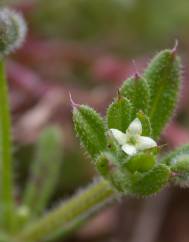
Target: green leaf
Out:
[181,164]
[119,114]
[150,182]
[141,162]
[136,89]
[163,76]
[109,169]
[90,129]
[180,169]
[170,158]
[45,170]
[178,161]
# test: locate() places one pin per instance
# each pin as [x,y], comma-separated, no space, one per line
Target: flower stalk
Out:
[6,176]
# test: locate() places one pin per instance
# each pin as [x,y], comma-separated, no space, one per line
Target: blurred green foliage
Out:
[114,24]
[76,170]
[5,2]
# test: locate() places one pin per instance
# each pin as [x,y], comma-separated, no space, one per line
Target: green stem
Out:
[71,228]
[6,199]
[79,205]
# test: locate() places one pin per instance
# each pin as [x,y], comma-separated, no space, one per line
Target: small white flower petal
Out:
[144,143]
[119,136]
[129,149]
[135,128]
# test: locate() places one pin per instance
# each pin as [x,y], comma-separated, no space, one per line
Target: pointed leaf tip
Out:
[174,49]
[73,104]
[136,74]
[136,89]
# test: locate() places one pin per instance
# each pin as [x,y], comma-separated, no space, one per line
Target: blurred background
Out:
[87,47]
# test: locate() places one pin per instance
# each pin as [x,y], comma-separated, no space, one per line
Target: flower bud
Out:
[12,31]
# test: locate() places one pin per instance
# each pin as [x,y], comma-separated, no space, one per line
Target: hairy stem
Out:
[71,228]
[6,198]
[82,204]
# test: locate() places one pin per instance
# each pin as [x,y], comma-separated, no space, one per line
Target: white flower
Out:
[131,142]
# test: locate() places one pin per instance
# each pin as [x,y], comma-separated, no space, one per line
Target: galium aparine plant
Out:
[123,147]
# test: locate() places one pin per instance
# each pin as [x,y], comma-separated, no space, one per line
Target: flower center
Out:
[132,140]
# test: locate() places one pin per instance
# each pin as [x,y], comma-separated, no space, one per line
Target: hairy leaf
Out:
[119,114]
[173,156]
[163,76]
[141,162]
[90,129]
[45,170]
[181,164]
[151,182]
[136,89]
